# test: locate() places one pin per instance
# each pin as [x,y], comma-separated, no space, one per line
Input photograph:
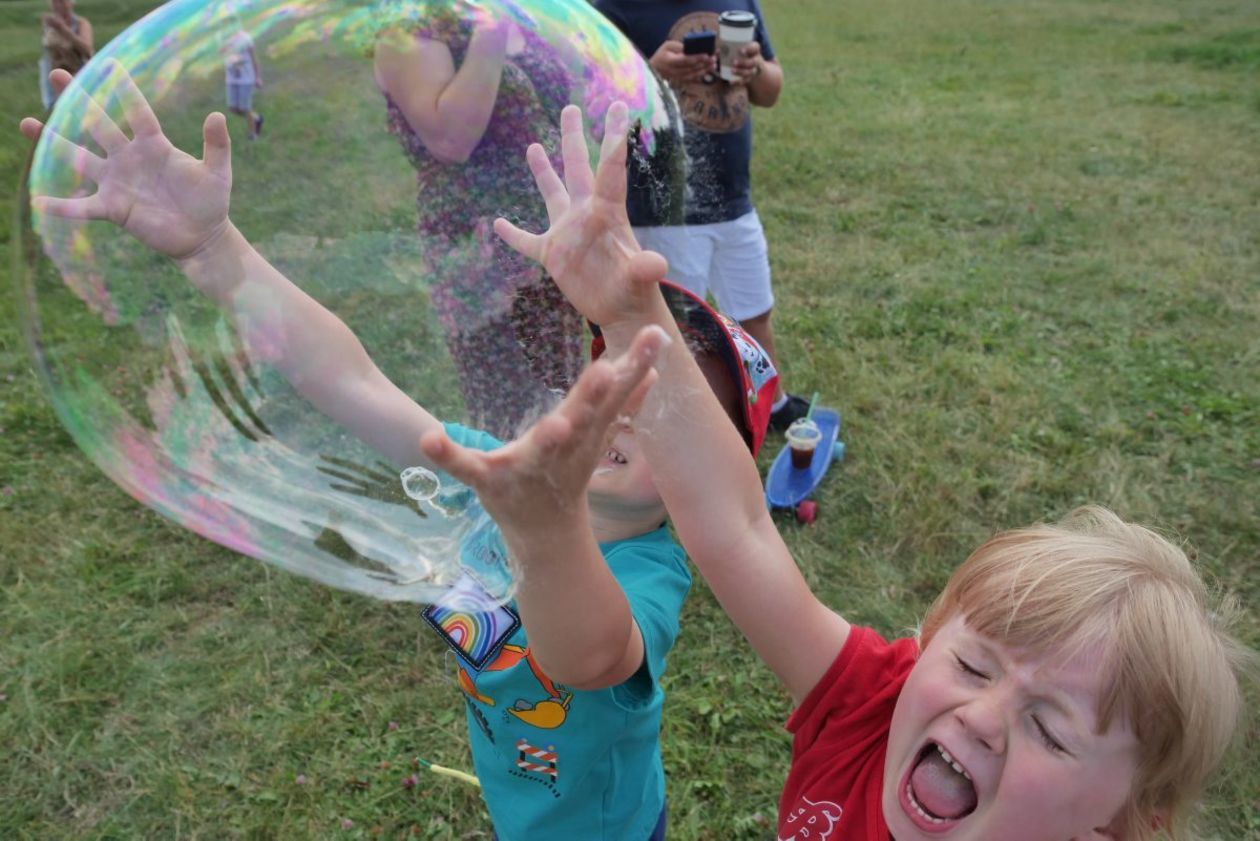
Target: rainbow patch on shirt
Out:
[472,622]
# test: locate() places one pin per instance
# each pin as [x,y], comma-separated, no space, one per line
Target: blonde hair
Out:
[1093,581]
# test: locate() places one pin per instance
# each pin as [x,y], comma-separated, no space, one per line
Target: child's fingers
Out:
[527,244]
[60,79]
[143,122]
[610,386]
[102,128]
[551,433]
[216,149]
[31,128]
[610,174]
[646,270]
[637,363]
[577,166]
[77,208]
[550,187]
[468,466]
[81,160]
[635,400]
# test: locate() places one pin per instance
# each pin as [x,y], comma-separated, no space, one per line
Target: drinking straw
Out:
[812,402]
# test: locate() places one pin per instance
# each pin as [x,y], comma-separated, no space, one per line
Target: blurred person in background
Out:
[67,44]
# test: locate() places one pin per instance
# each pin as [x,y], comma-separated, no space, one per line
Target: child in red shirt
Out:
[1071,681]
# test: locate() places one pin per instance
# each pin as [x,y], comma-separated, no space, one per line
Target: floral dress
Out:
[513,337]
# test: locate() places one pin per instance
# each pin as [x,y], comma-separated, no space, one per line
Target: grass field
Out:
[1016,243]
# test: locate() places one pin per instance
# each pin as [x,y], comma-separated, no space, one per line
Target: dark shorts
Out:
[658,834]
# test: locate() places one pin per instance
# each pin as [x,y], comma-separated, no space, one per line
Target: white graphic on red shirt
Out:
[811,821]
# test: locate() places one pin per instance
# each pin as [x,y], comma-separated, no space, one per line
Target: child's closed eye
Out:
[968,669]
[1047,737]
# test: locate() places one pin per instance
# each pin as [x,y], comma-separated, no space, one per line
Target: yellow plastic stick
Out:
[450,772]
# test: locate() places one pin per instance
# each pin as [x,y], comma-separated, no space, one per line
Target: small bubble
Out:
[421,484]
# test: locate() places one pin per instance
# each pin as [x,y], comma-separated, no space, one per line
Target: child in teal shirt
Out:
[564,725]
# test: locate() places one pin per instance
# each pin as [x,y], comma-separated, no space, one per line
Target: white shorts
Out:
[729,259]
[240,96]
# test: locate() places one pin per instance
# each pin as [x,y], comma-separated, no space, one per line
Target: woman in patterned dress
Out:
[465,98]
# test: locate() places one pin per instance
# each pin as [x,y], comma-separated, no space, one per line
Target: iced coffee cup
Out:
[735,29]
[802,438]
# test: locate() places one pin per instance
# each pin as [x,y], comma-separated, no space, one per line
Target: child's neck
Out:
[613,521]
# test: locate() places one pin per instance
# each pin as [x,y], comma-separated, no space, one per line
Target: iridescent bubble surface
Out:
[207,420]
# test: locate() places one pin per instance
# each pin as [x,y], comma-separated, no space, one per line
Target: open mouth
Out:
[938,790]
[613,458]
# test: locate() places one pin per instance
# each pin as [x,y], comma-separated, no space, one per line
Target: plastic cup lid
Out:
[737,19]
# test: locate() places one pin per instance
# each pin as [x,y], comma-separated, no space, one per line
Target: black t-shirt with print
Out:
[718,128]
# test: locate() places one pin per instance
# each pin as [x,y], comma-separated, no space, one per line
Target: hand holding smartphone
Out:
[699,43]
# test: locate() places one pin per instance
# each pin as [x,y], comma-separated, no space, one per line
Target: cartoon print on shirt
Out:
[547,713]
[710,103]
[812,821]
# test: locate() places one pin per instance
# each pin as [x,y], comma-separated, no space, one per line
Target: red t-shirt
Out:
[840,736]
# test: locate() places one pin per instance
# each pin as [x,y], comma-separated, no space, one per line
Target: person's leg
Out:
[240,101]
[741,281]
[741,285]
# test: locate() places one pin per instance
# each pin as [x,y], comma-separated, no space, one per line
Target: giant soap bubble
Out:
[372,185]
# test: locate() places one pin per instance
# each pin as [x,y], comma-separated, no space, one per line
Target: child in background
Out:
[1071,681]
[564,725]
[242,74]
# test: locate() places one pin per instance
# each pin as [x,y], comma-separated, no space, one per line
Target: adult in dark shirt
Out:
[721,248]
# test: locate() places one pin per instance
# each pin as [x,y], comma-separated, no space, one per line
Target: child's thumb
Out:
[216,148]
[646,270]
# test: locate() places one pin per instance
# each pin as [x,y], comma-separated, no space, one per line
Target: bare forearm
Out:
[576,615]
[467,103]
[697,456]
[314,349]
[765,87]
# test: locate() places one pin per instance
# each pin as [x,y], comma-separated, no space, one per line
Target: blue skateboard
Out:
[790,487]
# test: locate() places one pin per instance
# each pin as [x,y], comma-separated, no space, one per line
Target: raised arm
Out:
[580,626]
[178,206]
[448,108]
[699,463]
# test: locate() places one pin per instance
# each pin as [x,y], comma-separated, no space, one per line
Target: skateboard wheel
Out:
[807,512]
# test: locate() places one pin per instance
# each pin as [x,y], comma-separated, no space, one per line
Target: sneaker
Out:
[258,125]
[794,409]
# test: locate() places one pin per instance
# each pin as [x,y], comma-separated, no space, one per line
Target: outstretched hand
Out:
[589,248]
[164,197]
[542,475]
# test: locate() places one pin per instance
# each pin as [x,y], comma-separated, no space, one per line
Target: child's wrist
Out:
[619,334]
[217,265]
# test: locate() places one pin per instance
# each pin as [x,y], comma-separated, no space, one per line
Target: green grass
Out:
[1017,244]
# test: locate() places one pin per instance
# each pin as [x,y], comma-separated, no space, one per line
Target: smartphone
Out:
[470,621]
[699,43]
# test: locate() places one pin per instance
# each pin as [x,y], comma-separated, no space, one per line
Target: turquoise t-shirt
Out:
[561,763]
